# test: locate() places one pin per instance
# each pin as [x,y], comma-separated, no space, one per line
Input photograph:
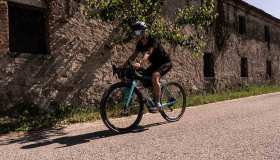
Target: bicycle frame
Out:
[129,94]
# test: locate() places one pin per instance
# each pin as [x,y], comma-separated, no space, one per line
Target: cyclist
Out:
[153,52]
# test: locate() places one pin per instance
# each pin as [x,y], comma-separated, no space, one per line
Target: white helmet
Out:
[139,28]
[139,25]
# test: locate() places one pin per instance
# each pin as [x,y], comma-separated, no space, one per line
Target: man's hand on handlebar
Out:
[136,66]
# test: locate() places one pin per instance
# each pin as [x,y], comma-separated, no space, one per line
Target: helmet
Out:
[139,28]
[139,25]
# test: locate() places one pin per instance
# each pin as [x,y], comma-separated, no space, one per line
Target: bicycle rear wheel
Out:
[174,97]
[113,113]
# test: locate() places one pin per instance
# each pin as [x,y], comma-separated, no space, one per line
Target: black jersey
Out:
[159,56]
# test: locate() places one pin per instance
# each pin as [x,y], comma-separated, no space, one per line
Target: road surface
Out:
[242,129]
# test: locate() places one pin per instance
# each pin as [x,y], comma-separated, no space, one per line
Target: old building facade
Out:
[49,52]
[250,52]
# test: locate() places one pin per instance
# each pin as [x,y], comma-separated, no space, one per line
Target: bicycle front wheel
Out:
[115,115]
[173,99]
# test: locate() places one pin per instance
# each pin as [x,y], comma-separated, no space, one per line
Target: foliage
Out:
[126,12]
[201,17]
[27,116]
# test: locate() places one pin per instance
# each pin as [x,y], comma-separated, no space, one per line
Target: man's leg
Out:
[161,71]
[156,86]
[150,72]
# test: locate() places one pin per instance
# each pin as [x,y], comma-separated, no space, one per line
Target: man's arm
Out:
[145,59]
[146,56]
[131,58]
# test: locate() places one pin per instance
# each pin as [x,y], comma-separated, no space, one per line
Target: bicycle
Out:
[124,101]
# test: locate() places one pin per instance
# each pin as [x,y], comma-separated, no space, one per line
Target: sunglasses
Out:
[138,32]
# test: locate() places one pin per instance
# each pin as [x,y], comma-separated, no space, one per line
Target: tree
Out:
[126,12]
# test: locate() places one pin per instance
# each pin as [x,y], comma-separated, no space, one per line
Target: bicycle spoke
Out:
[173,98]
[115,114]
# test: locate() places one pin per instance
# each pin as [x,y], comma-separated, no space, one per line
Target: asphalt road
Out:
[243,129]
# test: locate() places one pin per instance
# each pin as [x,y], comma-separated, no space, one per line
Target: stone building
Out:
[250,46]
[49,52]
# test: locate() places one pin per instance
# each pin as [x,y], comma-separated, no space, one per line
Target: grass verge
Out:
[28,117]
[252,90]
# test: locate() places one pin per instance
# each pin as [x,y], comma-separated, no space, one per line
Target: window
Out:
[268,69]
[266,33]
[228,13]
[244,67]
[209,70]
[267,36]
[242,25]
[27,29]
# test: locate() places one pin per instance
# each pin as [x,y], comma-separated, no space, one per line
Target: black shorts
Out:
[162,69]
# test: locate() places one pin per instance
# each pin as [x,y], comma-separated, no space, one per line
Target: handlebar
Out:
[127,72]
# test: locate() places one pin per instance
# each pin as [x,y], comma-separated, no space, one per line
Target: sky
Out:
[270,6]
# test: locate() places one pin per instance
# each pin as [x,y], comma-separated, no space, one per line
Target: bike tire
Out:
[104,113]
[182,108]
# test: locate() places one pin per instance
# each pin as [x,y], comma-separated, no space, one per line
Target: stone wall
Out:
[78,68]
[4,28]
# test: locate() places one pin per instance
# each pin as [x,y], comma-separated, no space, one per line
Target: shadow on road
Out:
[43,140]
[32,136]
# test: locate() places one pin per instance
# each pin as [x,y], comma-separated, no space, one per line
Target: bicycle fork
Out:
[171,100]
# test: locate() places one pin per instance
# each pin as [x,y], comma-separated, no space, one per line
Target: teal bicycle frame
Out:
[129,93]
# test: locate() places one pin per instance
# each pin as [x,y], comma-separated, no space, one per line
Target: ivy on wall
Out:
[126,12]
